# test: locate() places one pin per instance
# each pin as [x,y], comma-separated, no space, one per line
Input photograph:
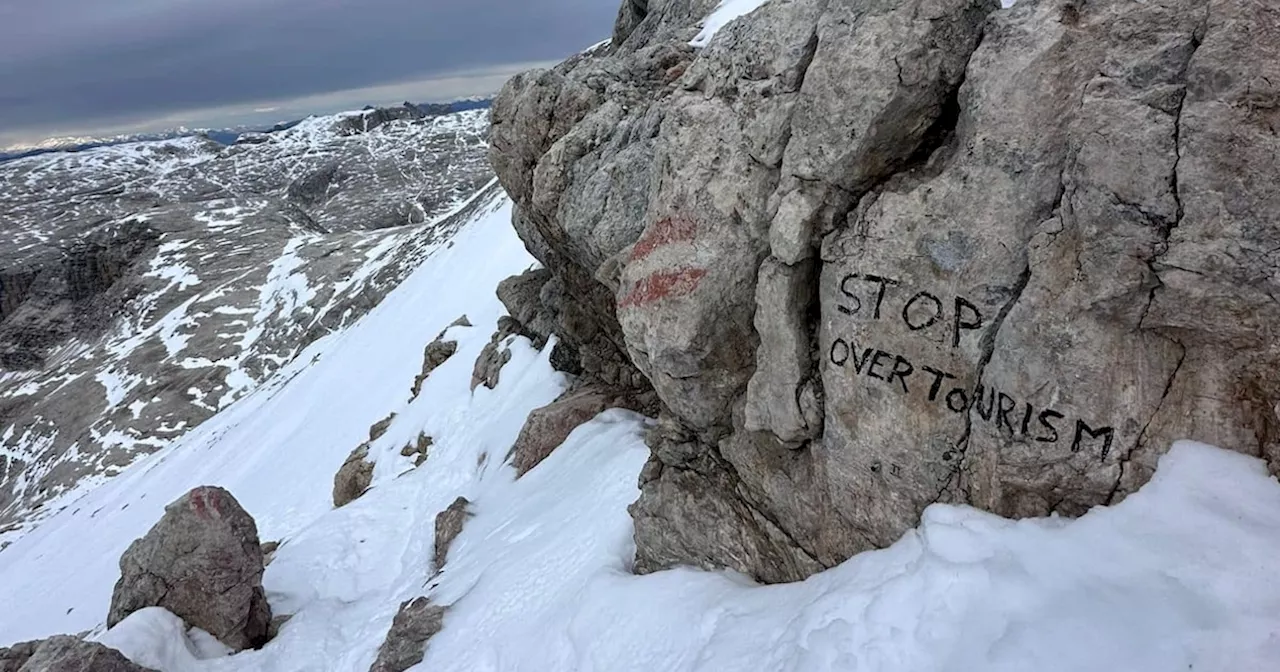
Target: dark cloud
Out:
[80,62]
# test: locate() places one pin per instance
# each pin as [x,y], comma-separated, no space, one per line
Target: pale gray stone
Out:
[901,252]
[784,359]
[64,653]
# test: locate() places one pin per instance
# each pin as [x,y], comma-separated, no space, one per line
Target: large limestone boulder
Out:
[203,562]
[873,256]
[65,653]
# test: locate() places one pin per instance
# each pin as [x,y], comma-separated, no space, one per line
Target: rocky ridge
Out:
[145,287]
[872,256]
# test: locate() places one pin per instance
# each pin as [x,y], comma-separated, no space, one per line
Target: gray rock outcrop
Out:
[14,657]
[203,562]
[495,354]
[873,256]
[65,653]
[548,427]
[437,352]
[521,295]
[405,646]
[448,526]
[353,477]
[418,450]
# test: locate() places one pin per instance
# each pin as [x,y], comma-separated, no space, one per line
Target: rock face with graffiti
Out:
[876,255]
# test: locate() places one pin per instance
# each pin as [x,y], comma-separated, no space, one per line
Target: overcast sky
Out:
[74,67]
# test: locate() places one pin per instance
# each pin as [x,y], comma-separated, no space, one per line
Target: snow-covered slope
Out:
[145,287]
[1177,577]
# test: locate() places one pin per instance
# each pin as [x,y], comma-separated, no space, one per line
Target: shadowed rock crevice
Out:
[1140,441]
[988,348]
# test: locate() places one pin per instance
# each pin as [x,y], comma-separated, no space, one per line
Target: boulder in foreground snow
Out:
[417,621]
[64,653]
[203,562]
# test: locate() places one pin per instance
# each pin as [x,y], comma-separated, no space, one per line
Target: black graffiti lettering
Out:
[839,352]
[876,361]
[857,303]
[859,363]
[901,369]
[884,286]
[980,396]
[1044,420]
[1005,404]
[957,400]
[895,470]
[961,324]
[933,318]
[938,377]
[1007,413]
[1107,434]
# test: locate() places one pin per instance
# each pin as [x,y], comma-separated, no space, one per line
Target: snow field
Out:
[1180,576]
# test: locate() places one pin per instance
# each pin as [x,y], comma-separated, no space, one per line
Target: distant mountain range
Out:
[229,136]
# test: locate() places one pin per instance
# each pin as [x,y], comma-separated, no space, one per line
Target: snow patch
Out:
[157,639]
[724,14]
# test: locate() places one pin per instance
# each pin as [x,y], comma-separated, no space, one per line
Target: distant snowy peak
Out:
[225,136]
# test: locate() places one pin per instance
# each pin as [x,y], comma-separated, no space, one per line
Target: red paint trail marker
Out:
[663,285]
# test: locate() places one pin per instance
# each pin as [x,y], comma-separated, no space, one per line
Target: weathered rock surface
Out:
[377,429]
[522,297]
[419,450]
[14,657]
[353,477]
[448,526]
[437,352]
[549,426]
[65,653]
[495,354]
[203,562]
[877,255]
[405,646]
[173,277]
